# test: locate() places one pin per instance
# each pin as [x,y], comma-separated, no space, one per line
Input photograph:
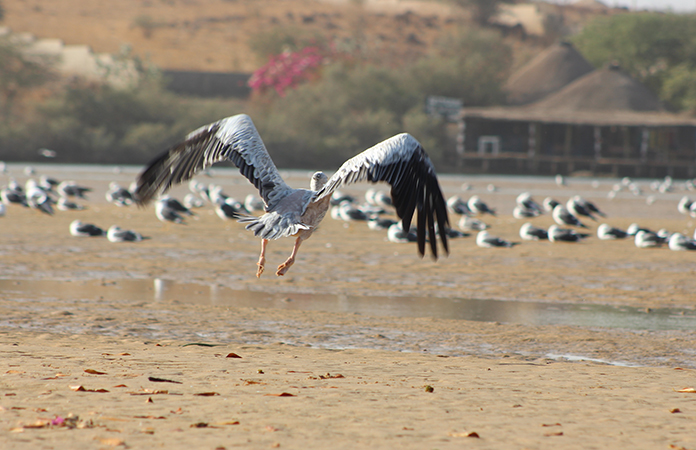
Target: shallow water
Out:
[484,310]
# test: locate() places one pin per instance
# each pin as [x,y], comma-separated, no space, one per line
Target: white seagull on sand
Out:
[80,229]
[116,234]
[679,242]
[529,232]
[563,217]
[606,232]
[557,234]
[648,239]
[399,161]
[478,206]
[485,240]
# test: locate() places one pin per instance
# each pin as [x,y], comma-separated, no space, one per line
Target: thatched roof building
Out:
[551,70]
[603,119]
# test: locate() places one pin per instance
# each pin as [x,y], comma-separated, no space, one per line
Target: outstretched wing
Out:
[401,162]
[233,138]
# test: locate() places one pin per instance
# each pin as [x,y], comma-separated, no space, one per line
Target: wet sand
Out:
[508,382]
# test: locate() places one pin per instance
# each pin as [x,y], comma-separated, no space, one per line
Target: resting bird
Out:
[399,161]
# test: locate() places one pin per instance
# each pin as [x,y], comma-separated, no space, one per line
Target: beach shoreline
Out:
[81,316]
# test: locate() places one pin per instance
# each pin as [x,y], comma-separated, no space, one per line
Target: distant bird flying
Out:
[399,161]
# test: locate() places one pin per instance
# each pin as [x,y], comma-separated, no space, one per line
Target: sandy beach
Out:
[173,342]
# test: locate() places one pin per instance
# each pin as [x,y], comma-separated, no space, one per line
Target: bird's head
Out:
[318,181]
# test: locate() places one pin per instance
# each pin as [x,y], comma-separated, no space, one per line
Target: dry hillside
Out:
[212,35]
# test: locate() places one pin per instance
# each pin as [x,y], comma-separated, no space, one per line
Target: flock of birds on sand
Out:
[376,210]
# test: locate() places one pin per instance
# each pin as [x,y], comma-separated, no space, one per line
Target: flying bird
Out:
[399,161]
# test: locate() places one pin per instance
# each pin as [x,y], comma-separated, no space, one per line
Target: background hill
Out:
[214,35]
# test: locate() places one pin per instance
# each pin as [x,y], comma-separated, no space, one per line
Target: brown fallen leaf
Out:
[207,394]
[471,434]
[555,433]
[124,354]
[149,400]
[329,376]
[551,424]
[149,417]
[282,394]
[675,410]
[229,422]
[687,390]
[38,424]
[199,425]
[120,385]
[81,388]
[162,380]
[148,430]
[94,372]
[233,355]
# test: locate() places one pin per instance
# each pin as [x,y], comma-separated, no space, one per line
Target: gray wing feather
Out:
[235,139]
[401,162]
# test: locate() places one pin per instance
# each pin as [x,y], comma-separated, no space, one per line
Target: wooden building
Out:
[601,122]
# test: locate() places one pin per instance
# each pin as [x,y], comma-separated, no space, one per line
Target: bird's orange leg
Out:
[291,260]
[262,258]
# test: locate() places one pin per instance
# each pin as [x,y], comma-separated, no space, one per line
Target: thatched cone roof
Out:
[548,72]
[604,90]
[604,97]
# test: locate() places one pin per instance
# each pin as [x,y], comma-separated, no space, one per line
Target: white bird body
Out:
[65,204]
[529,232]
[478,206]
[606,232]
[456,205]
[80,229]
[72,189]
[563,217]
[116,234]
[467,223]
[684,205]
[485,240]
[521,212]
[396,233]
[679,242]
[118,195]
[399,161]
[550,203]
[558,234]
[526,202]
[648,239]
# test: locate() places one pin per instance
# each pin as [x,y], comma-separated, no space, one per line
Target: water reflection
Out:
[531,313]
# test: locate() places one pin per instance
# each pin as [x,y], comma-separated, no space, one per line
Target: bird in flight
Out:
[399,161]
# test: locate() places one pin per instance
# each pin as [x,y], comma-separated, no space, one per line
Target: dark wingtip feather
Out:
[147,182]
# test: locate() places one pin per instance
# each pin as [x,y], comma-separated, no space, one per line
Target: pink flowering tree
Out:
[288,69]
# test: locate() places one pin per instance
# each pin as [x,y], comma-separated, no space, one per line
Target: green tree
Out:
[19,72]
[656,49]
